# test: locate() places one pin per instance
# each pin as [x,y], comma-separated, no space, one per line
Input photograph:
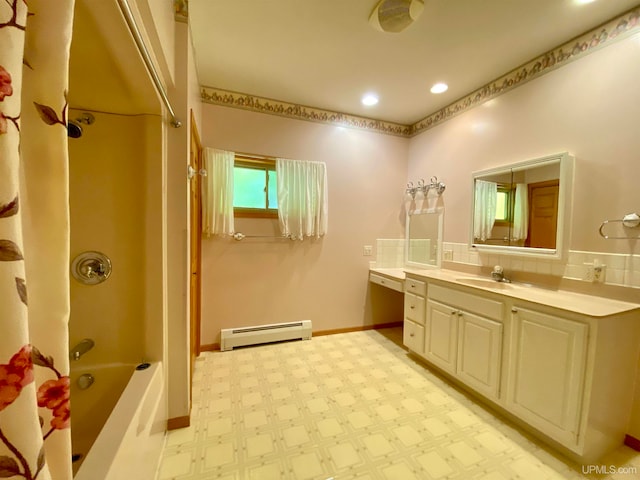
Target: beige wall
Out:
[260,281]
[589,108]
[157,21]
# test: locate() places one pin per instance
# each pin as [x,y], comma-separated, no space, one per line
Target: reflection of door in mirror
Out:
[543,219]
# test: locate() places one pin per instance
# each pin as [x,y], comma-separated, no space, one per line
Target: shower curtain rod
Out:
[142,48]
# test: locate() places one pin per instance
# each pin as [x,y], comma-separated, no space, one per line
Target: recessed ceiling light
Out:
[369,99]
[583,2]
[439,88]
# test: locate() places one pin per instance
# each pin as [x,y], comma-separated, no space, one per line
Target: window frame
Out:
[265,164]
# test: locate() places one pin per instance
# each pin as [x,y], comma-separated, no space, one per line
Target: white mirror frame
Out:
[431,211]
[564,208]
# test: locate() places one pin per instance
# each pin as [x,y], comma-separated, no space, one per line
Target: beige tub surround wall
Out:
[155,321]
[260,281]
[107,199]
[587,108]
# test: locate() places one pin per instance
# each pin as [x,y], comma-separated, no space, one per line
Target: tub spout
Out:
[81,348]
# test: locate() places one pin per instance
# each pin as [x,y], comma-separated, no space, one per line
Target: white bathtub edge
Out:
[130,443]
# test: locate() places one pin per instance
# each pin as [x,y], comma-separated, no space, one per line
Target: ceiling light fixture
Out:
[369,99]
[439,88]
[395,15]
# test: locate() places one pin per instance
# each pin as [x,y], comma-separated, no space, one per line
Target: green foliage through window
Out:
[254,187]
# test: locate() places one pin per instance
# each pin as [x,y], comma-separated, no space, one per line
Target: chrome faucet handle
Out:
[91,268]
[498,274]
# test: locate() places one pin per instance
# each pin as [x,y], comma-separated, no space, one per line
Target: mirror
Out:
[423,240]
[523,208]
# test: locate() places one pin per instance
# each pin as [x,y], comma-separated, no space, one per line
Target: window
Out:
[504,212]
[254,187]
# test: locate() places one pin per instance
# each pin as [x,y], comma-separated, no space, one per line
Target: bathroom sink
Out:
[485,283]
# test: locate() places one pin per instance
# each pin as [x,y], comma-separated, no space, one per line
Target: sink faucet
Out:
[498,274]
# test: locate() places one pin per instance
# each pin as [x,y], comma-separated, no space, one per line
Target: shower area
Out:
[115,184]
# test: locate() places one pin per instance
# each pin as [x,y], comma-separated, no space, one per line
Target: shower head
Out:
[74,130]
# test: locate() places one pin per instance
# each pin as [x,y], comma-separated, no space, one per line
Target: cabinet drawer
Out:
[414,307]
[413,336]
[386,282]
[415,286]
[467,301]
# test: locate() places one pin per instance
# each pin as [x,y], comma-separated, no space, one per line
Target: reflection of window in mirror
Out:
[503,202]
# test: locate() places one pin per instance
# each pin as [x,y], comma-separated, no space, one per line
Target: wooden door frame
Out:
[195,239]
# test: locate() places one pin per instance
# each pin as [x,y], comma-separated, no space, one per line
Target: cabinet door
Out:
[413,336]
[441,335]
[546,381]
[479,353]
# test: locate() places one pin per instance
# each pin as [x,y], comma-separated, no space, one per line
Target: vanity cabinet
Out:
[463,336]
[414,314]
[547,368]
[560,364]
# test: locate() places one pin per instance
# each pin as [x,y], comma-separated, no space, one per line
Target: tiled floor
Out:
[348,406]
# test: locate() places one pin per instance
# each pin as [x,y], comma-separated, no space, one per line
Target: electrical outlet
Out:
[367,250]
[595,272]
[447,255]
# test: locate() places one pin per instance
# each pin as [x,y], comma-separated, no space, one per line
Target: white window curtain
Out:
[217,193]
[302,198]
[520,213]
[484,214]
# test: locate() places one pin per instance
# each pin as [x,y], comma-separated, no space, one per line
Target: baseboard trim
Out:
[378,326]
[210,347]
[178,422]
[632,442]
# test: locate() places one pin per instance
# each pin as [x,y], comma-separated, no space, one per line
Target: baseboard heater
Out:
[275,332]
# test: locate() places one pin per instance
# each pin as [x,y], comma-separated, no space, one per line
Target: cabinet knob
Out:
[382,282]
[412,307]
[514,310]
[411,334]
[454,312]
[413,285]
[459,313]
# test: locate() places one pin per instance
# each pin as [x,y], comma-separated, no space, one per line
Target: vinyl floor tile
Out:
[346,407]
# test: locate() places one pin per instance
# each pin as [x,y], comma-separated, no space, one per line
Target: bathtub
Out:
[129,442]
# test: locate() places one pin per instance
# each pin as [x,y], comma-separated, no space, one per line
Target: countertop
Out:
[562,299]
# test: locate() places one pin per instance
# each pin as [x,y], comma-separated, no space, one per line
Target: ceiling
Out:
[325,54]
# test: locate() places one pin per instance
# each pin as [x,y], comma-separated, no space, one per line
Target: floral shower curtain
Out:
[34,239]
